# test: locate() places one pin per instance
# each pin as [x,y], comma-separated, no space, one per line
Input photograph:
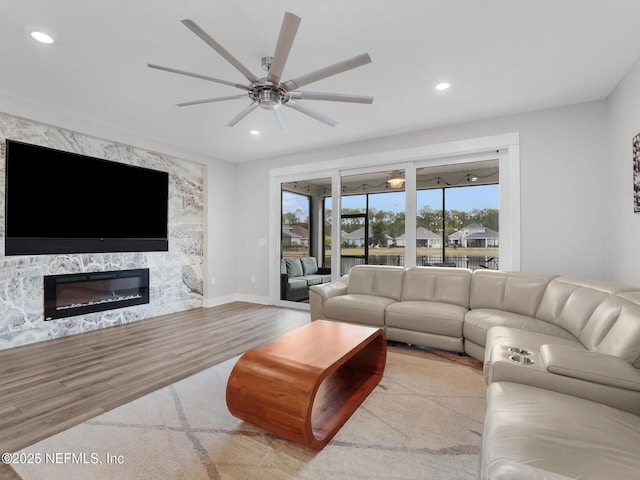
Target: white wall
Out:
[563,158]
[251,228]
[220,239]
[624,225]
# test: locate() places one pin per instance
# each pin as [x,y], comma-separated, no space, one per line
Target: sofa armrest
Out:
[332,289]
[590,366]
[284,286]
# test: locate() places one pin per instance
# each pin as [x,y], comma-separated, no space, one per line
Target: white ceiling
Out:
[501,57]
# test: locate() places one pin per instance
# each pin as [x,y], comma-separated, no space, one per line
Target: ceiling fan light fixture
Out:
[269,99]
[396,180]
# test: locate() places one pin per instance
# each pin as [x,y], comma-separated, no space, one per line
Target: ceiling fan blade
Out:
[197,75]
[211,100]
[195,28]
[318,116]
[278,113]
[288,32]
[330,97]
[328,71]
[242,114]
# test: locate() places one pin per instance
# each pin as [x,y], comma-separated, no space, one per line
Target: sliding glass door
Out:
[302,237]
[454,220]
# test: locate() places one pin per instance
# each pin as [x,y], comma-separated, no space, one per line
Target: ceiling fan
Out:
[270,92]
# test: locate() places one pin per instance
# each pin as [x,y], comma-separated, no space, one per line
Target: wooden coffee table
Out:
[306,384]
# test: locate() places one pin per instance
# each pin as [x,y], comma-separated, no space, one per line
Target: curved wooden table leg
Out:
[305,385]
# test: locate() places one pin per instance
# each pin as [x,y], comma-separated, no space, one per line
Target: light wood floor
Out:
[50,386]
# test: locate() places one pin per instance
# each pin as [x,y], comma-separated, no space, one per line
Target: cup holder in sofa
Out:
[521,359]
[520,351]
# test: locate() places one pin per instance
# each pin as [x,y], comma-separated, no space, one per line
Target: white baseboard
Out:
[214,302]
[236,297]
[263,300]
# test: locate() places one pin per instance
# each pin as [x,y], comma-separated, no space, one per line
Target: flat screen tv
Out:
[60,202]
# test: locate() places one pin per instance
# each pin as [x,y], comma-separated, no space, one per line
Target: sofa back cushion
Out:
[614,328]
[569,302]
[309,265]
[294,267]
[514,292]
[446,285]
[376,280]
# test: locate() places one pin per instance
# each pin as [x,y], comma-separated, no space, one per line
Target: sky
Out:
[463,199]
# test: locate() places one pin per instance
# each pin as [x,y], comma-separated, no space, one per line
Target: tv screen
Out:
[61,202]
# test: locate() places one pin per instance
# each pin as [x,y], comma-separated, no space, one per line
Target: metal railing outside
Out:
[472,263]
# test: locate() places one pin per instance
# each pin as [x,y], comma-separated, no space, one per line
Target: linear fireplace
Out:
[82,293]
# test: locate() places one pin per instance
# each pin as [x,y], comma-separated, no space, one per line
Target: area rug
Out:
[423,420]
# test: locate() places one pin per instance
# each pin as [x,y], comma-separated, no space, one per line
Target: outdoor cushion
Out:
[294,267]
[309,265]
[316,279]
[297,284]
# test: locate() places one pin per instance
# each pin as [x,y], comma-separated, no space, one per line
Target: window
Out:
[295,224]
[429,227]
[372,220]
[386,228]
[354,232]
[457,216]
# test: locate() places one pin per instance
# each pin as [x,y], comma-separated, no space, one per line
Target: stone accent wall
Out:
[175,276]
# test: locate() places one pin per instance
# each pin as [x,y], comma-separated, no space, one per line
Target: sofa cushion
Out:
[623,338]
[376,280]
[559,433]
[309,265]
[294,267]
[569,302]
[514,292]
[355,308]
[446,285]
[478,322]
[430,317]
[315,279]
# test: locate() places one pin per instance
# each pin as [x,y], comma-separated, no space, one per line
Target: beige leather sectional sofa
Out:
[561,358]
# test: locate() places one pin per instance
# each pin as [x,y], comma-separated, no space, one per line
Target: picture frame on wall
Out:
[636,173]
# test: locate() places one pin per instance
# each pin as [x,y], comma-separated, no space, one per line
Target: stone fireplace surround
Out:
[175,276]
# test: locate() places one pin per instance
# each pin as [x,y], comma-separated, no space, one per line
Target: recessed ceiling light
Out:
[443,86]
[42,37]
[254,132]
